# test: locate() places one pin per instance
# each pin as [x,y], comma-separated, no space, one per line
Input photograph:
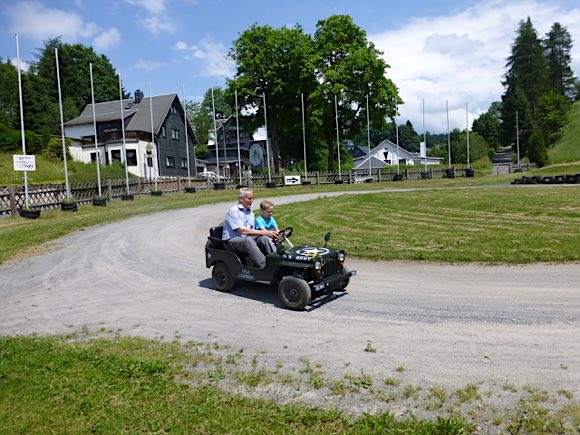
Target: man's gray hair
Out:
[244,192]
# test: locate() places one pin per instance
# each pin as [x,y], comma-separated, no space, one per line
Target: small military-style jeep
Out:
[300,273]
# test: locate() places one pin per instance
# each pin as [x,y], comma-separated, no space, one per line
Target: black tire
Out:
[294,293]
[222,278]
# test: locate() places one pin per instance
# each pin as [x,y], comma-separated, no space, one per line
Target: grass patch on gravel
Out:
[131,385]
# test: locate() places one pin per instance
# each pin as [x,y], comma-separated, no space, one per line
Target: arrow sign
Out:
[290,180]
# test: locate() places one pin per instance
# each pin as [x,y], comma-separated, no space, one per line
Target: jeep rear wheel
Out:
[294,293]
[222,278]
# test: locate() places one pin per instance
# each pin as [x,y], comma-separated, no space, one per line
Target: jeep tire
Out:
[222,278]
[294,293]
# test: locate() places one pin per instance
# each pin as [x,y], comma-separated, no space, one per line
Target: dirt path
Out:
[444,325]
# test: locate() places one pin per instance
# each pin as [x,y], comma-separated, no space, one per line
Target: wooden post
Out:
[12,192]
[317,177]
[110,189]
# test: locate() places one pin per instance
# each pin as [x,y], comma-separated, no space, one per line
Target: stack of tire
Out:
[551,179]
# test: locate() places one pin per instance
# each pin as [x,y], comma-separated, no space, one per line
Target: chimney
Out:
[138,96]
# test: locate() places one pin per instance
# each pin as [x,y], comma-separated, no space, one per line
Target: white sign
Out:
[24,162]
[290,180]
[423,149]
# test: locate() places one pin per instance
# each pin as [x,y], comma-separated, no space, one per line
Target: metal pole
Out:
[424,135]
[97,159]
[156,173]
[22,133]
[215,140]
[518,139]
[467,131]
[304,137]
[124,156]
[397,134]
[68,196]
[337,138]
[267,142]
[369,138]
[186,136]
[238,139]
[448,137]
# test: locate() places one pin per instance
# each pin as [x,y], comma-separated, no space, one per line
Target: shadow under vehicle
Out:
[301,274]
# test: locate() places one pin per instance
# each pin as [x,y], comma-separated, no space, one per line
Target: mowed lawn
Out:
[512,225]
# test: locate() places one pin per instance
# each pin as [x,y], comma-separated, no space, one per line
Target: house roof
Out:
[363,163]
[137,115]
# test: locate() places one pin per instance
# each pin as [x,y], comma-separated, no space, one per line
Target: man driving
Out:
[240,230]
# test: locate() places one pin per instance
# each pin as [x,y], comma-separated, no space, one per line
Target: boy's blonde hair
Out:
[266,204]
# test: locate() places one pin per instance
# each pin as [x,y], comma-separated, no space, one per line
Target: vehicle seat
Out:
[215,237]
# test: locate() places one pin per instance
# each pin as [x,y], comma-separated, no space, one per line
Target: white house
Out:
[385,154]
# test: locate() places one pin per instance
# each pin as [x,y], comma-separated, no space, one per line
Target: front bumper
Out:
[330,283]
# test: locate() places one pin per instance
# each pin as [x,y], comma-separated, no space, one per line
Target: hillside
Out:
[567,149]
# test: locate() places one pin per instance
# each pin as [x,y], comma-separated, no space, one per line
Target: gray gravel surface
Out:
[444,325]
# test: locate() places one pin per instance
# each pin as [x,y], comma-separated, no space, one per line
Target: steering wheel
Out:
[284,234]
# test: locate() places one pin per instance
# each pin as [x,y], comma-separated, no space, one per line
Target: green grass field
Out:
[567,149]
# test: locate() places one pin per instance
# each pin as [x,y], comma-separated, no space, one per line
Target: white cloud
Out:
[107,39]
[148,65]
[157,25]
[213,54]
[152,6]
[33,20]
[461,58]
[24,66]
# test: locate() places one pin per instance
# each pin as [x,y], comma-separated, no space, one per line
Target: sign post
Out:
[292,180]
[24,162]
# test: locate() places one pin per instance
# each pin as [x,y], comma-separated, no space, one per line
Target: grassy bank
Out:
[567,149]
[129,385]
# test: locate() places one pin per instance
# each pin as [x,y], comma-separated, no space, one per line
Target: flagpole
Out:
[467,131]
[124,156]
[448,137]
[337,137]
[238,138]
[397,134]
[304,137]
[68,195]
[215,139]
[267,144]
[22,133]
[153,135]
[424,135]
[369,138]
[186,136]
[97,159]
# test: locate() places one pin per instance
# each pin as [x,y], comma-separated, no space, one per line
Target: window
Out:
[116,156]
[93,157]
[183,163]
[170,161]
[131,157]
[163,131]
[174,134]
[402,161]
[173,109]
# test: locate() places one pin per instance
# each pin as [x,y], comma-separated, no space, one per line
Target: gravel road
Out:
[446,325]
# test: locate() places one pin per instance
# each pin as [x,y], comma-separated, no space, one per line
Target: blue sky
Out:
[438,50]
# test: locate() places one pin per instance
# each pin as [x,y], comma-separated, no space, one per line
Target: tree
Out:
[525,81]
[276,63]
[489,124]
[537,152]
[201,113]
[553,111]
[348,67]
[9,108]
[557,46]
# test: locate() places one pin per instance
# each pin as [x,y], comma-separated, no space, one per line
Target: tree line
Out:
[335,64]
[539,88]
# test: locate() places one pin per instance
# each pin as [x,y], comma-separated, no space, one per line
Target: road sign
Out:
[24,162]
[290,180]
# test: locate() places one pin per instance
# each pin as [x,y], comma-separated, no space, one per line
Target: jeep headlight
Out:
[341,256]
[318,265]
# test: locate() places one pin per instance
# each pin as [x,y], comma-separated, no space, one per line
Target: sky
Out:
[441,53]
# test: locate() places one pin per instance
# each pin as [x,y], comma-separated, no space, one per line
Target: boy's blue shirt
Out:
[268,224]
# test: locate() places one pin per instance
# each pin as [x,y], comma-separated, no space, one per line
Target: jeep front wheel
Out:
[222,278]
[294,293]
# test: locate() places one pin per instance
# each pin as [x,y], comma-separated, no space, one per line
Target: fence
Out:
[47,196]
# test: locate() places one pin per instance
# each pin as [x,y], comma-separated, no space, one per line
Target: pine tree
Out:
[557,46]
[537,152]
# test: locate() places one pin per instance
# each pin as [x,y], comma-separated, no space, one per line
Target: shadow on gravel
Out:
[266,295]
